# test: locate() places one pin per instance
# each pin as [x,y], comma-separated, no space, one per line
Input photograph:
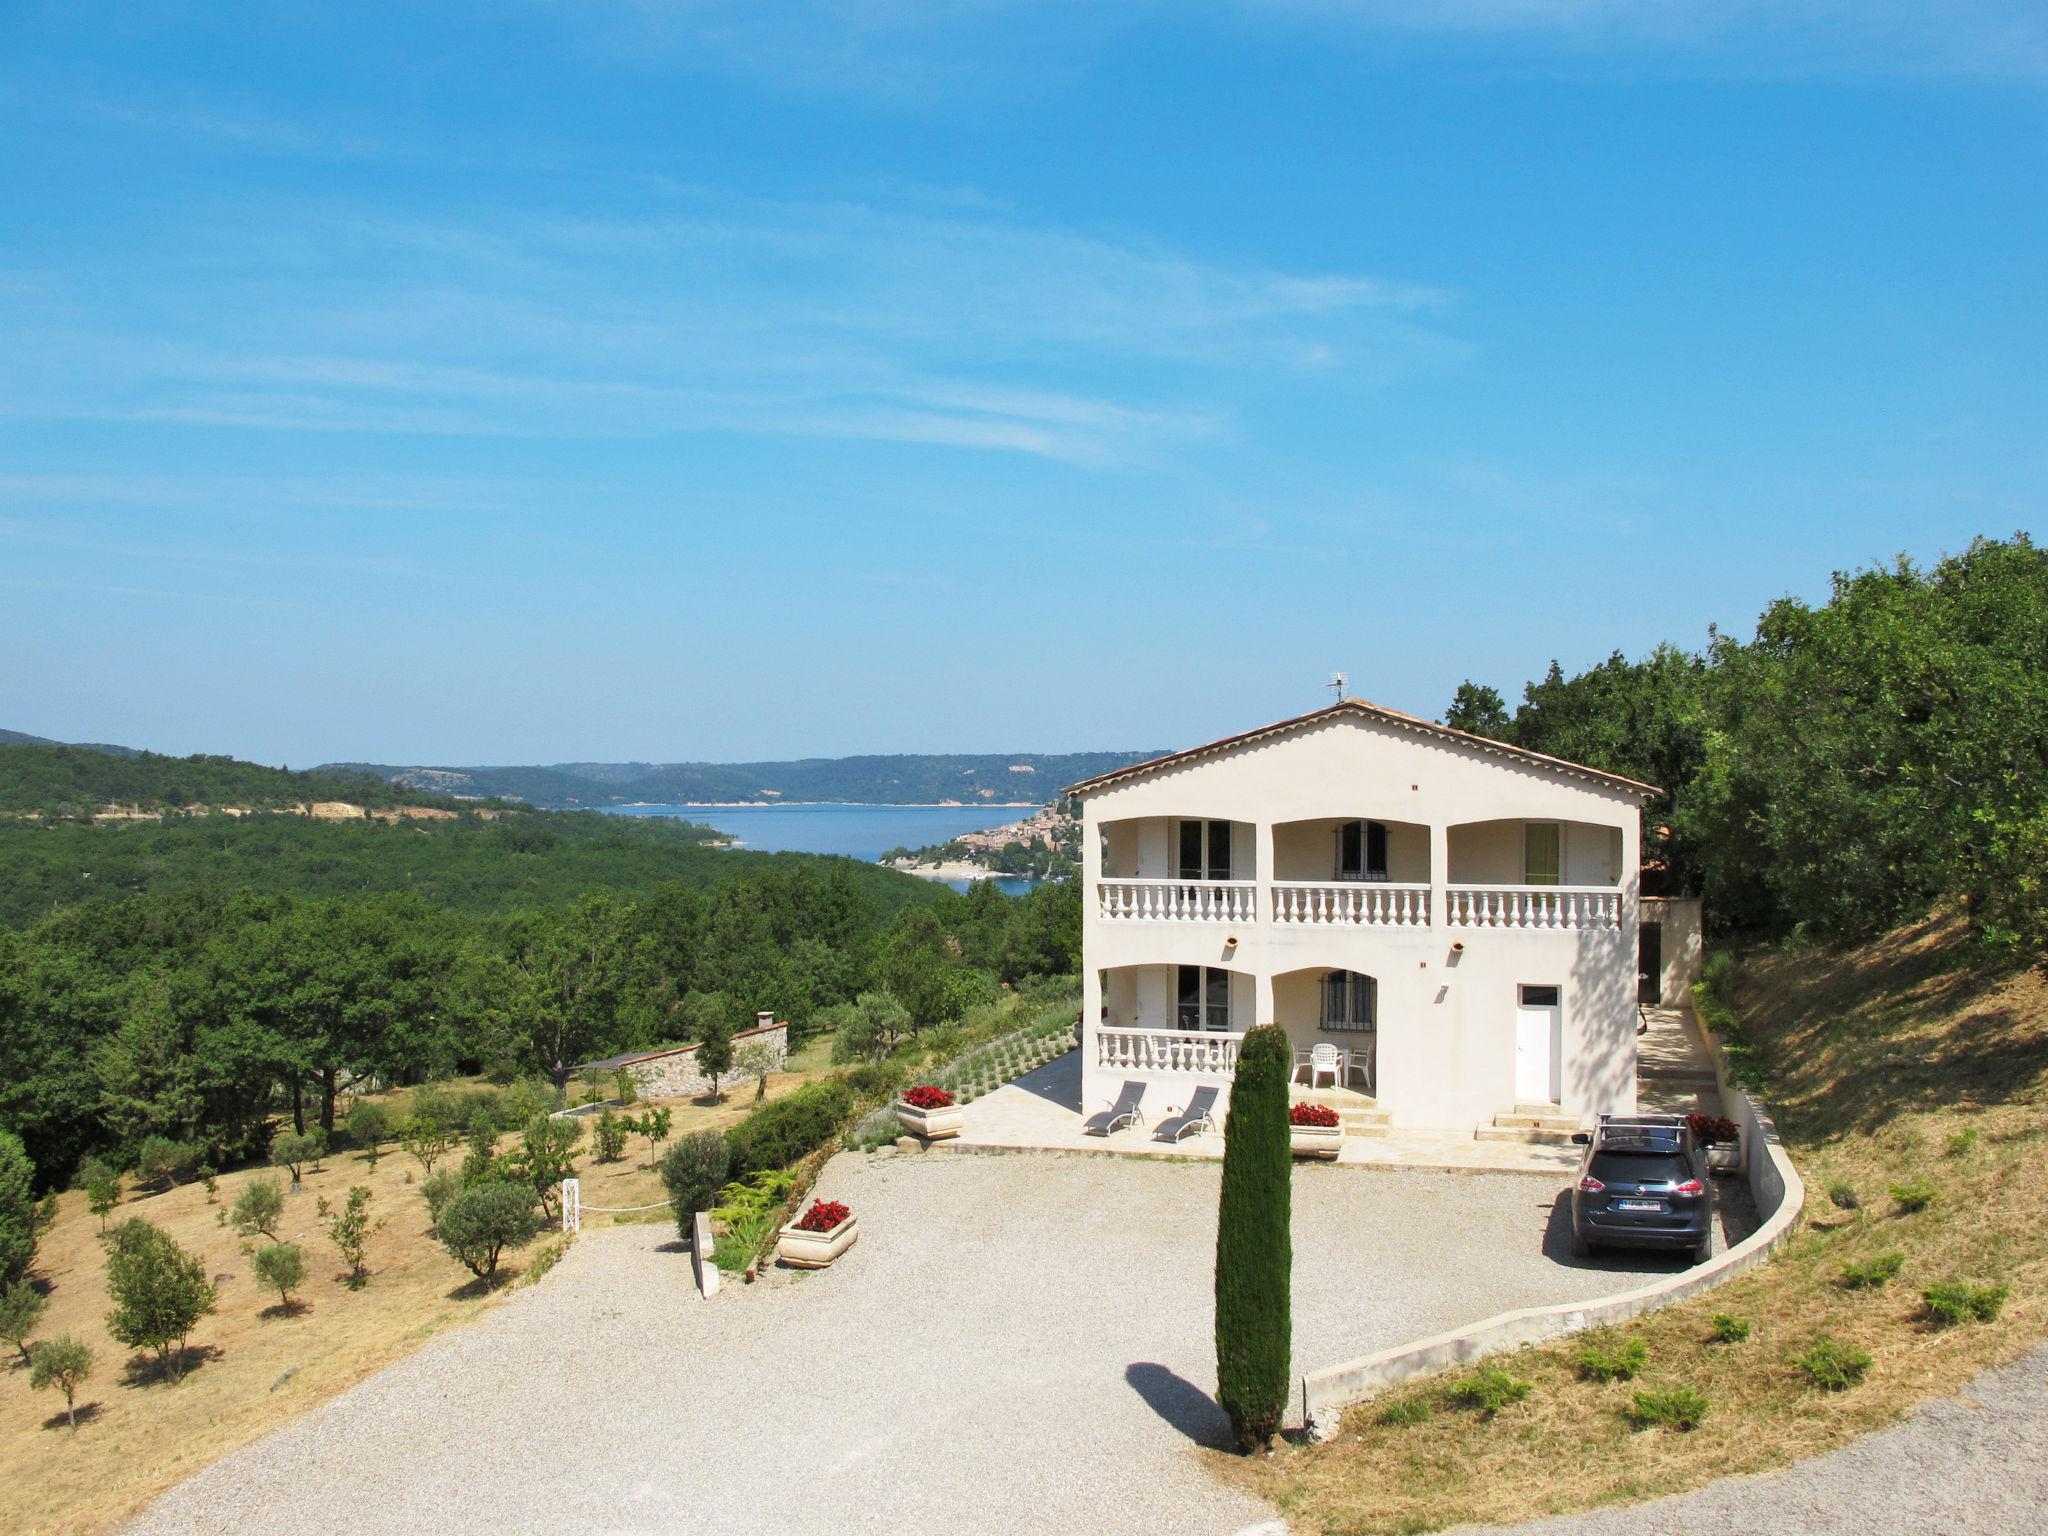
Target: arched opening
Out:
[1335,1009]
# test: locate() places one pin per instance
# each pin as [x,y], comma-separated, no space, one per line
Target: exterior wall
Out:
[1446,1037]
[1307,850]
[674,1074]
[1684,945]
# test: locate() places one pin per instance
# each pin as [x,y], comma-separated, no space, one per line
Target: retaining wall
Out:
[1780,1197]
[674,1075]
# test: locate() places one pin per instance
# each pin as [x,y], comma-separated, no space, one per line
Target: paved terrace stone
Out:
[1017,1344]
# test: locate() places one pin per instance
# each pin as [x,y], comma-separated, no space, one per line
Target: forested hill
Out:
[54,780]
[907,779]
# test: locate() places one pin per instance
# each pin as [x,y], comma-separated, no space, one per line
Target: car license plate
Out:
[1639,1205]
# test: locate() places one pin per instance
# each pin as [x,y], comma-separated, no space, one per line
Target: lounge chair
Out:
[1125,1111]
[1196,1117]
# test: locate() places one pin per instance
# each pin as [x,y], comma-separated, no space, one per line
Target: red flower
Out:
[1710,1129]
[823,1216]
[1312,1114]
[925,1096]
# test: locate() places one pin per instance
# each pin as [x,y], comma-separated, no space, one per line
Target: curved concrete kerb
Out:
[1780,1198]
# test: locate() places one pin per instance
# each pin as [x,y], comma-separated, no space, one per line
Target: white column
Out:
[1439,875]
[1262,998]
[1262,896]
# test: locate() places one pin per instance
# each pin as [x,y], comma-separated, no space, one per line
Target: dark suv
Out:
[1643,1183]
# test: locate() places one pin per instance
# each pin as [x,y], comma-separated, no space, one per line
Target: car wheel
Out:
[1583,1247]
[1710,1245]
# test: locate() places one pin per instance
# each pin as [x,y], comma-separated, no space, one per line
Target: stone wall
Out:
[674,1075]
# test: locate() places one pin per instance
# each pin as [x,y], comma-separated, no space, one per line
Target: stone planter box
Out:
[1315,1140]
[1725,1157]
[816,1250]
[931,1124]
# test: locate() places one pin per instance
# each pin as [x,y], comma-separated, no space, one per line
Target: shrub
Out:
[545,1158]
[1915,1195]
[102,1189]
[349,1230]
[21,1307]
[1730,1330]
[295,1149]
[63,1363]
[369,1127]
[1405,1414]
[777,1134]
[693,1171]
[438,1189]
[1254,1245]
[525,1099]
[610,1136]
[259,1207]
[282,1267]
[17,1209]
[1954,1302]
[1872,1274]
[1312,1114]
[161,1162]
[1833,1365]
[426,1140]
[869,1028]
[480,1223]
[1622,1363]
[1488,1389]
[1679,1408]
[1963,1143]
[160,1293]
[1844,1196]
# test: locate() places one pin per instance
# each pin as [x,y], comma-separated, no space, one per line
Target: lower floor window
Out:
[1203,998]
[1350,1001]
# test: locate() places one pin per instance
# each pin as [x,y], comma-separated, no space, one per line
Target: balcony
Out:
[1177,901]
[1350,904]
[1559,908]
[1206,1052]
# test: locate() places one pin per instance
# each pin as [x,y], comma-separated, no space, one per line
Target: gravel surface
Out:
[1015,1344]
[1974,1465]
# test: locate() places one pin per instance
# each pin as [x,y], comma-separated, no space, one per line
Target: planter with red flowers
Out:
[1313,1130]
[818,1236]
[929,1113]
[1721,1137]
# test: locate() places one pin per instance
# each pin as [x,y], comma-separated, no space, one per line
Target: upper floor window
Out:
[1362,851]
[1202,849]
[1542,852]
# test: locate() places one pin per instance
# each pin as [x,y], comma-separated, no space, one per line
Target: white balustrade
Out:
[1536,907]
[1177,901]
[1165,1050]
[1350,904]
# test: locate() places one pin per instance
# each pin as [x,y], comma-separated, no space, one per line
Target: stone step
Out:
[1528,1122]
[1526,1135]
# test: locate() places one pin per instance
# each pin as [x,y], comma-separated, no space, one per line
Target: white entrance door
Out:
[1539,1022]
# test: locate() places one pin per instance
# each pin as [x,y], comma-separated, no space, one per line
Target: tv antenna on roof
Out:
[1337,684]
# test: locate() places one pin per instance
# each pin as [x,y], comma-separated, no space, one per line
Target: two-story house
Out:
[1455,916]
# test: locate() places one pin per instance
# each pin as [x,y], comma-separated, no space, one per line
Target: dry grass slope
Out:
[250,1367]
[1884,1060]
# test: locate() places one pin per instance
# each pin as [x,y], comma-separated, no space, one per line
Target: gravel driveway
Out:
[1016,1344]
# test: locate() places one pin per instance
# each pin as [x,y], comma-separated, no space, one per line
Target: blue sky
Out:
[540,380]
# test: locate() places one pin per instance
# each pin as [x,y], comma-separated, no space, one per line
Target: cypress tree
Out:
[1254,1248]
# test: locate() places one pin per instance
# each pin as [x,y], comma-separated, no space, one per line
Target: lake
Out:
[856,831]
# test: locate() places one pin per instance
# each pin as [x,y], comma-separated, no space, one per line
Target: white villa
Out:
[1456,917]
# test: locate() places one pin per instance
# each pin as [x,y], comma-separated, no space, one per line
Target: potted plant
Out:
[929,1113]
[1721,1137]
[1314,1130]
[818,1236]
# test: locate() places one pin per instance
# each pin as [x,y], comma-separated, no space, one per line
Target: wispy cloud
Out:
[707,312]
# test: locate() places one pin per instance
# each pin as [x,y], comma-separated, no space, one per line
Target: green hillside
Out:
[902,779]
[51,780]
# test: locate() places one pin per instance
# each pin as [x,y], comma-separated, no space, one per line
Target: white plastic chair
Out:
[1325,1058]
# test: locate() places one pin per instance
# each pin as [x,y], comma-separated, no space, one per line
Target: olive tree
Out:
[259,1208]
[282,1267]
[160,1293]
[21,1306]
[63,1363]
[481,1222]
